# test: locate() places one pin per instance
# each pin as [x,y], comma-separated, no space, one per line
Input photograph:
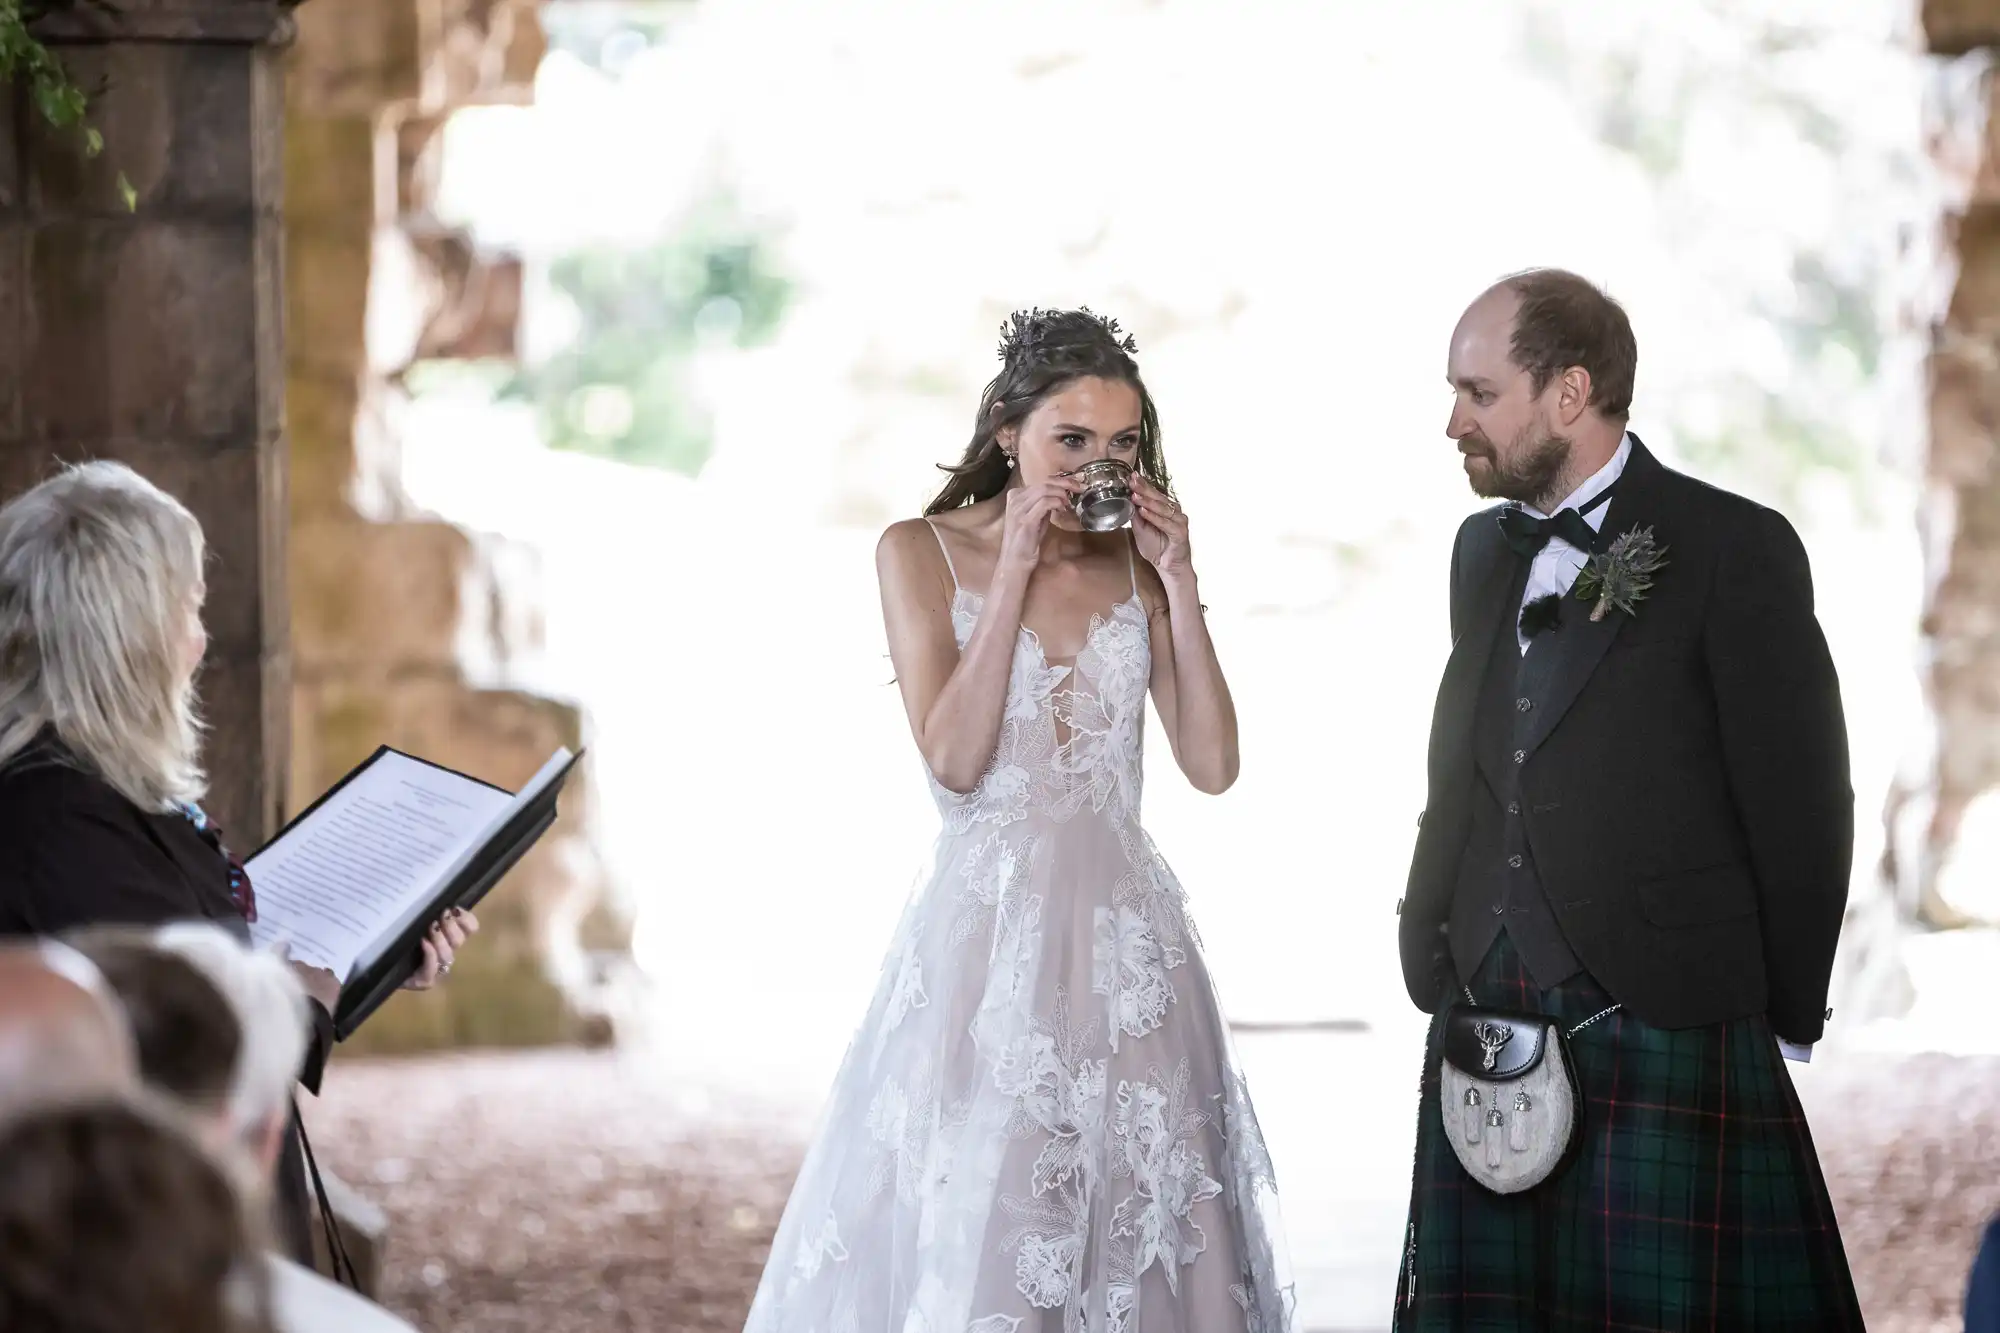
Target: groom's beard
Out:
[1528,476]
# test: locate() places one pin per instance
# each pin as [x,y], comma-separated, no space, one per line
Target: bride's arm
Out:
[954,700]
[1189,691]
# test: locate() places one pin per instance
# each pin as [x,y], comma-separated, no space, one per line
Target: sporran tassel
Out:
[1517,1128]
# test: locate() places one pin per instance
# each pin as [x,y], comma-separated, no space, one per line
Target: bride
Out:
[1040,1125]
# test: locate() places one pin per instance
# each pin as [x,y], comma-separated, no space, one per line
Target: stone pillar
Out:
[1960,519]
[154,335]
[405,626]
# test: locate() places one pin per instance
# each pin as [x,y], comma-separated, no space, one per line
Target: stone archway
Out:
[1960,520]
[404,626]
[1951,767]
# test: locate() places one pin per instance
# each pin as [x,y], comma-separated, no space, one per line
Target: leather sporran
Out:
[1508,1092]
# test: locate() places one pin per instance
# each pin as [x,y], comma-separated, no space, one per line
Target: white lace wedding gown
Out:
[1040,1126]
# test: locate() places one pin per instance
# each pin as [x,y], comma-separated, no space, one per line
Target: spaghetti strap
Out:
[1132,562]
[944,551]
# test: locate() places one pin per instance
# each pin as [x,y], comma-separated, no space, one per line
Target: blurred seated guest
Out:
[62,1035]
[185,1038]
[1982,1293]
[220,1030]
[114,1220]
[101,589]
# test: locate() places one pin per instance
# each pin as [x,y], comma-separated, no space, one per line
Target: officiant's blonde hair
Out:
[99,571]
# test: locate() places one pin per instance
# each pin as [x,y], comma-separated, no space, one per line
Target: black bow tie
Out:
[1528,534]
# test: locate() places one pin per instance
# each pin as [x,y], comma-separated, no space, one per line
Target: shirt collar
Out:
[1593,486]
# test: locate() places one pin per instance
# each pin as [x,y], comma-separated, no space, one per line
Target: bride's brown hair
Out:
[1042,352]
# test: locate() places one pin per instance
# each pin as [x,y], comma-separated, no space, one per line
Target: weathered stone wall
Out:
[393,610]
[153,335]
[1960,518]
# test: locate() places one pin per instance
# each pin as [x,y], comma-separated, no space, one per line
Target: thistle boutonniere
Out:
[1620,576]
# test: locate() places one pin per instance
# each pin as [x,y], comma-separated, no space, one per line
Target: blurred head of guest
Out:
[101,588]
[114,1219]
[62,1034]
[220,1027]
[220,1032]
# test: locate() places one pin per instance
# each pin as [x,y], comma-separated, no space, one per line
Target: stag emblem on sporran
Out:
[1493,1038]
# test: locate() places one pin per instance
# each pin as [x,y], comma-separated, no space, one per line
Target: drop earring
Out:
[1010,462]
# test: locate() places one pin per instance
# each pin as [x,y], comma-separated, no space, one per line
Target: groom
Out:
[1637,800]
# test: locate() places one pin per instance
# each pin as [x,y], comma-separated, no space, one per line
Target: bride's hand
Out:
[1029,509]
[1160,529]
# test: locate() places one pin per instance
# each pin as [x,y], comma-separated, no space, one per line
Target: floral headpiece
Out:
[1027,332]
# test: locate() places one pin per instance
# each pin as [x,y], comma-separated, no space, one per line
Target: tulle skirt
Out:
[1040,1125]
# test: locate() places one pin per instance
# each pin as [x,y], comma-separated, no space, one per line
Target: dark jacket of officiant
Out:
[74,852]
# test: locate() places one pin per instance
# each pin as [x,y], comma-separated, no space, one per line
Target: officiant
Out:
[101,590]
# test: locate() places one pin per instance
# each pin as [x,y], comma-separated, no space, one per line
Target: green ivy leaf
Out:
[24,61]
[49,101]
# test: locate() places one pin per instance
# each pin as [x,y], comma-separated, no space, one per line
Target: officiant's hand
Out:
[1160,529]
[320,984]
[441,944]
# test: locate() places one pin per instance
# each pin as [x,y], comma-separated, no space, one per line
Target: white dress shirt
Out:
[1557,564]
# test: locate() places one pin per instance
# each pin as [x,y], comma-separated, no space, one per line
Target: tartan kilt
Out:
[1693,1201]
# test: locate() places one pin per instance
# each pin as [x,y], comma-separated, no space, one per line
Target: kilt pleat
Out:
[1694,1201]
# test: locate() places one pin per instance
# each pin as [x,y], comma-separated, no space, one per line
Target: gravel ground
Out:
[1911,1149]
[571,1192]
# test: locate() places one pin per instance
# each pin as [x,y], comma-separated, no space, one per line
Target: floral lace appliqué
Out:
[1129,968]
[1071,737]
[1156,1128]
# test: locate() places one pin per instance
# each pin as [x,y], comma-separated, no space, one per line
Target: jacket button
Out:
[1514,862]
[1829,1016]
[1513,807]
[1399,907]
[1520,756]
[1524,704]
[1499,911]
[1420,818]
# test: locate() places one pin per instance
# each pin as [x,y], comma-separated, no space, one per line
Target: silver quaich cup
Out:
[1103,501]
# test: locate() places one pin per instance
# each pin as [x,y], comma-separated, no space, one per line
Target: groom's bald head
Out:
[1557,322]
